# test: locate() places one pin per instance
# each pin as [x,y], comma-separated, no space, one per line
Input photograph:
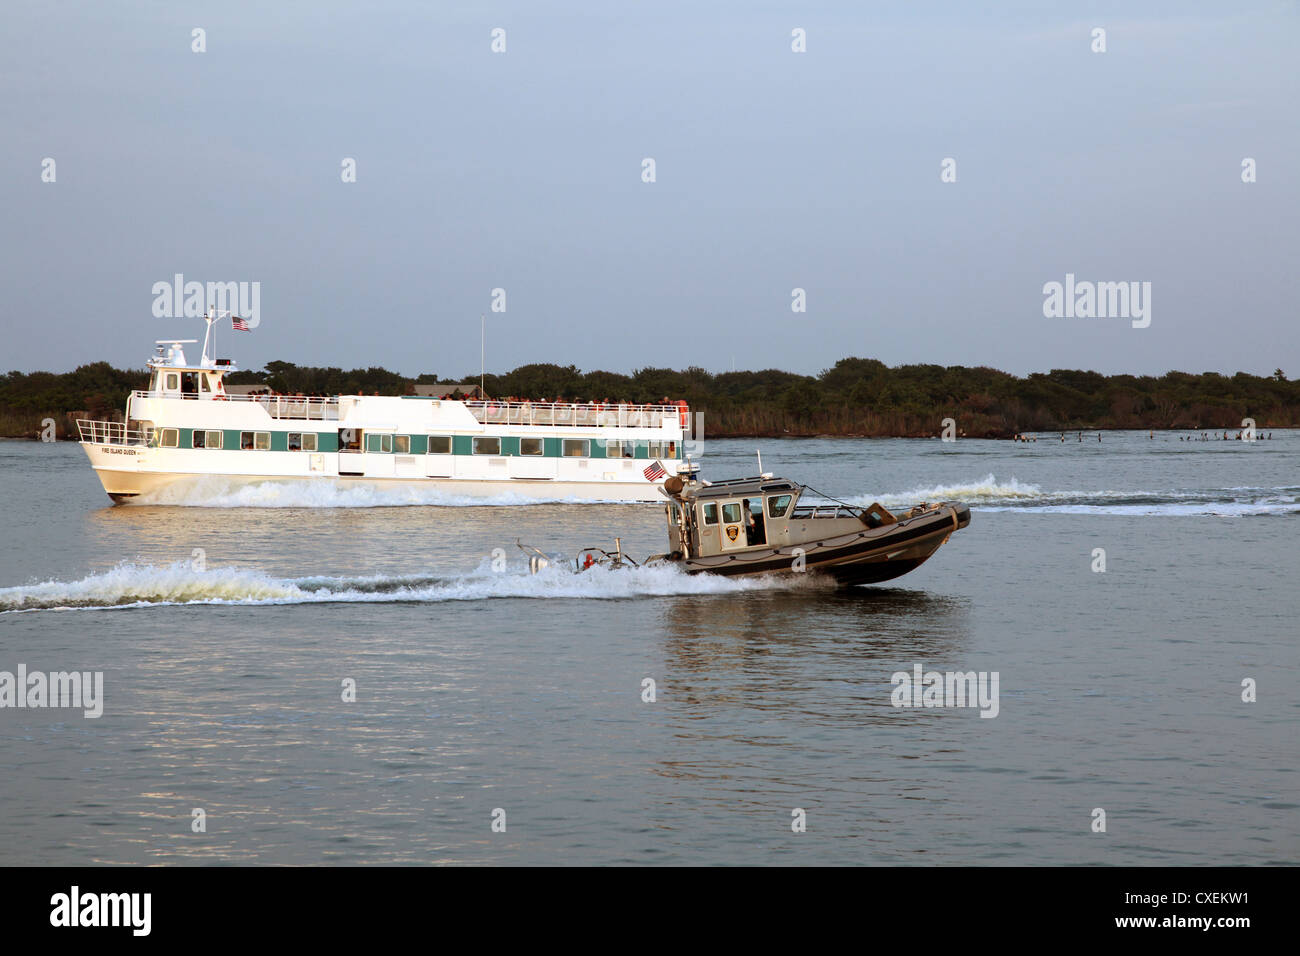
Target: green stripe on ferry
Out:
[481,445]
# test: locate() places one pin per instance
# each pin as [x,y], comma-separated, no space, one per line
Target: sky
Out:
[774,170]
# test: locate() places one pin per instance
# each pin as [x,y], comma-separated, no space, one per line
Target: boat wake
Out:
[218,492]
[1012,495]
[144,585]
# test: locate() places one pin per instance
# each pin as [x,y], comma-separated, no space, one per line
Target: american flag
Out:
[654,472]
[241,325]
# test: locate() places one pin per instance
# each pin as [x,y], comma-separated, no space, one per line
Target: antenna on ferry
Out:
[760,460]
[482,355]
[210,317]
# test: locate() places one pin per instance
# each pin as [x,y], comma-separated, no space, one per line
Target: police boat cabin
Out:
[187,426]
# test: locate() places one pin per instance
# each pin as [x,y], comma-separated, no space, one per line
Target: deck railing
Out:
[112,433]
[305,407]
[575,415]
[824,510]
[559,414]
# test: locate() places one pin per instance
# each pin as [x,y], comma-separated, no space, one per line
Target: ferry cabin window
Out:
[530,446]
[671,451]
[207,439]
[189,383]
[302,441]
[402,444]
[203,383]
[170,438]
[574,448]
[731,513]
[173,381]
[777,505]
[262,441]
[379,443]
[349,439]
[439,444]
[620,449]
[295,441]
[655,449]
[487,445]
[710,513]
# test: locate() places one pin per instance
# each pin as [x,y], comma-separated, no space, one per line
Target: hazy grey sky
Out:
[775,170]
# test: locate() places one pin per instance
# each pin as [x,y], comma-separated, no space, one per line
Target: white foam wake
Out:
[144,585]
[989,494]
[985,489]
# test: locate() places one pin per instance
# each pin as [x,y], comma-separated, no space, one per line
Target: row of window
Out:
[437,444]
[249,441]
[491,445]
[777,505]
[483,445]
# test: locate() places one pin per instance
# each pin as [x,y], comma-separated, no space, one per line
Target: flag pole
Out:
[482,354]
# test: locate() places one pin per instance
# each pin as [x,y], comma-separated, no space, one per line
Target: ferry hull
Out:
[125,487]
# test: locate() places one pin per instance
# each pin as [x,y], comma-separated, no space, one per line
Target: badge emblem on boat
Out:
[732,532]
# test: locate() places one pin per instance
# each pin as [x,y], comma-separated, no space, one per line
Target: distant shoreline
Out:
[856,398]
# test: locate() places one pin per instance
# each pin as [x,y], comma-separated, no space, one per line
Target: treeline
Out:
[857,397]
[98,391]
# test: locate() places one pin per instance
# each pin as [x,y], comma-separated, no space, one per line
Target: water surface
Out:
[480,689]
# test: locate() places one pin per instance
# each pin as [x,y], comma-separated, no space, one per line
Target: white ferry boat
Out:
[185,426]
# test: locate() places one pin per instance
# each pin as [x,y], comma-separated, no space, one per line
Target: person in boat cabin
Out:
[753,523]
